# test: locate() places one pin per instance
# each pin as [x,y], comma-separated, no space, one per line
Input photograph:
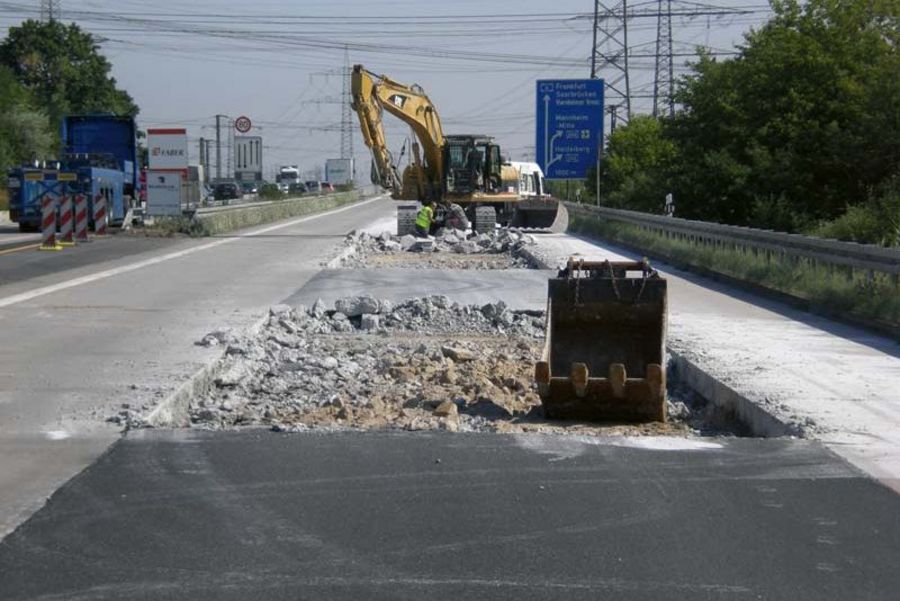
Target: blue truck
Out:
[101,151]
[28,185]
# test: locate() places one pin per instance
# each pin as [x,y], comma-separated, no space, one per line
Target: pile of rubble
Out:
[426,363]
[500,249]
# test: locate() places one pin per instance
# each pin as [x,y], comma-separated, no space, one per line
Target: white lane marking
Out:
[101,275]
[56,435]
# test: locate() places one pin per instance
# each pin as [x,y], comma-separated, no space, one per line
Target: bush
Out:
[875,222]
[271,192]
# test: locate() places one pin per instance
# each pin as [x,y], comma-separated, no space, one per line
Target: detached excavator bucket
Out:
[604,349]
[542,213]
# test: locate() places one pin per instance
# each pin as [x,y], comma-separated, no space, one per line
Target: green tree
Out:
[24,131]
[802,125]
[634,174]
[62,67]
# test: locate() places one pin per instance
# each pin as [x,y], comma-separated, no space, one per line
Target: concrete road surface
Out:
[258,515]
[114,322]
[837,383]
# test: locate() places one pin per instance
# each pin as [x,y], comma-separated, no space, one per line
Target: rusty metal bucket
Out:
[541,214]
[603,357]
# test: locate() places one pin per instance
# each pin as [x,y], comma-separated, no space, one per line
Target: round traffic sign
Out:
[242,124]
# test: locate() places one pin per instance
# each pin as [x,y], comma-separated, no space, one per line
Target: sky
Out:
[281,62]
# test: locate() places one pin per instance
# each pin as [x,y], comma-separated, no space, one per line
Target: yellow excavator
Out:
[604,353]
[463,170]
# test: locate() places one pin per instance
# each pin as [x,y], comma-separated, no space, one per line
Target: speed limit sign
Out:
[242,124]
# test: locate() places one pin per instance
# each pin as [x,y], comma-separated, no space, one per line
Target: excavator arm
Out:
[372,94]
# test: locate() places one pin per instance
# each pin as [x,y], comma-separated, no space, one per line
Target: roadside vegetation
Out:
[271,192]
[48,70]
[800,132]
[875,301]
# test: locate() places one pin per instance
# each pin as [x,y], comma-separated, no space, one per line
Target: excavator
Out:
[464,171]
[604,350]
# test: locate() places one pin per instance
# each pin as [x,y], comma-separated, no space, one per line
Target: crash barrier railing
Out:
[851,258]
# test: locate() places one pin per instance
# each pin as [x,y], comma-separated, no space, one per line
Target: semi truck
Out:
[104,137]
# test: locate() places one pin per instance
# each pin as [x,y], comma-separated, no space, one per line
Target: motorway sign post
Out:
[569,126]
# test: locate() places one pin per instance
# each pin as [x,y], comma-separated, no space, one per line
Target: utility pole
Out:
[219,146]
[664,72]
[203,156]
[346,115]
[50,10]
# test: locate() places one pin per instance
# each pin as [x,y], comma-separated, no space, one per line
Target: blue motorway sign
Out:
[569,126]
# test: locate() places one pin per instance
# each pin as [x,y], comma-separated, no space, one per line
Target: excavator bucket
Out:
[603,357]
[543,213]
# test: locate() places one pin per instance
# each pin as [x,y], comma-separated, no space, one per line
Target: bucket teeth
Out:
[656,379]
[617,377]
[580,379]
[542,376]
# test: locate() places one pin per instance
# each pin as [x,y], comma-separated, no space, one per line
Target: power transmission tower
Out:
[610,51]
[50,10]
[346,115]
[664,73]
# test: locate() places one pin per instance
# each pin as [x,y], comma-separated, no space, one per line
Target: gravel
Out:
[449,248]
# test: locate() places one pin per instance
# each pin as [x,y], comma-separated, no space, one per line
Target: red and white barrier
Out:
[48,223]
[65,221]
[81,218]
[99,215]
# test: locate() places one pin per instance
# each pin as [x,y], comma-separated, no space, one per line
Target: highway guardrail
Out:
[849,257]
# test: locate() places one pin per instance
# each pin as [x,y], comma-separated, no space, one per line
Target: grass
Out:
[167,227]
[874,301]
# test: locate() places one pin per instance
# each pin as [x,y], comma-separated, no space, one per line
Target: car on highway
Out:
[227,191]
[327,187]
[297,188]
[249,188]
[313,187]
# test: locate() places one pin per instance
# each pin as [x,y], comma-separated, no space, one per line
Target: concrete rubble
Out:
[501,249]
[366,363]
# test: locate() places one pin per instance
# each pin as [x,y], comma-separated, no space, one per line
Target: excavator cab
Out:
[471,164]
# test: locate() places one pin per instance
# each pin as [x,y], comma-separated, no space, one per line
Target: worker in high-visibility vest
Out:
[424,219]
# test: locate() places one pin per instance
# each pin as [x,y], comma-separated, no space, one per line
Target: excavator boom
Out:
[374,93]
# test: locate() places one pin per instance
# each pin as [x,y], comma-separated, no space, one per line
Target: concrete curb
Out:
[249,215]
[172,411]
[335,262]
[537,261]
[759,421]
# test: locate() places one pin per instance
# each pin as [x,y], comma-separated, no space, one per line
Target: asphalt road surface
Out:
[258,515]
[88,329]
